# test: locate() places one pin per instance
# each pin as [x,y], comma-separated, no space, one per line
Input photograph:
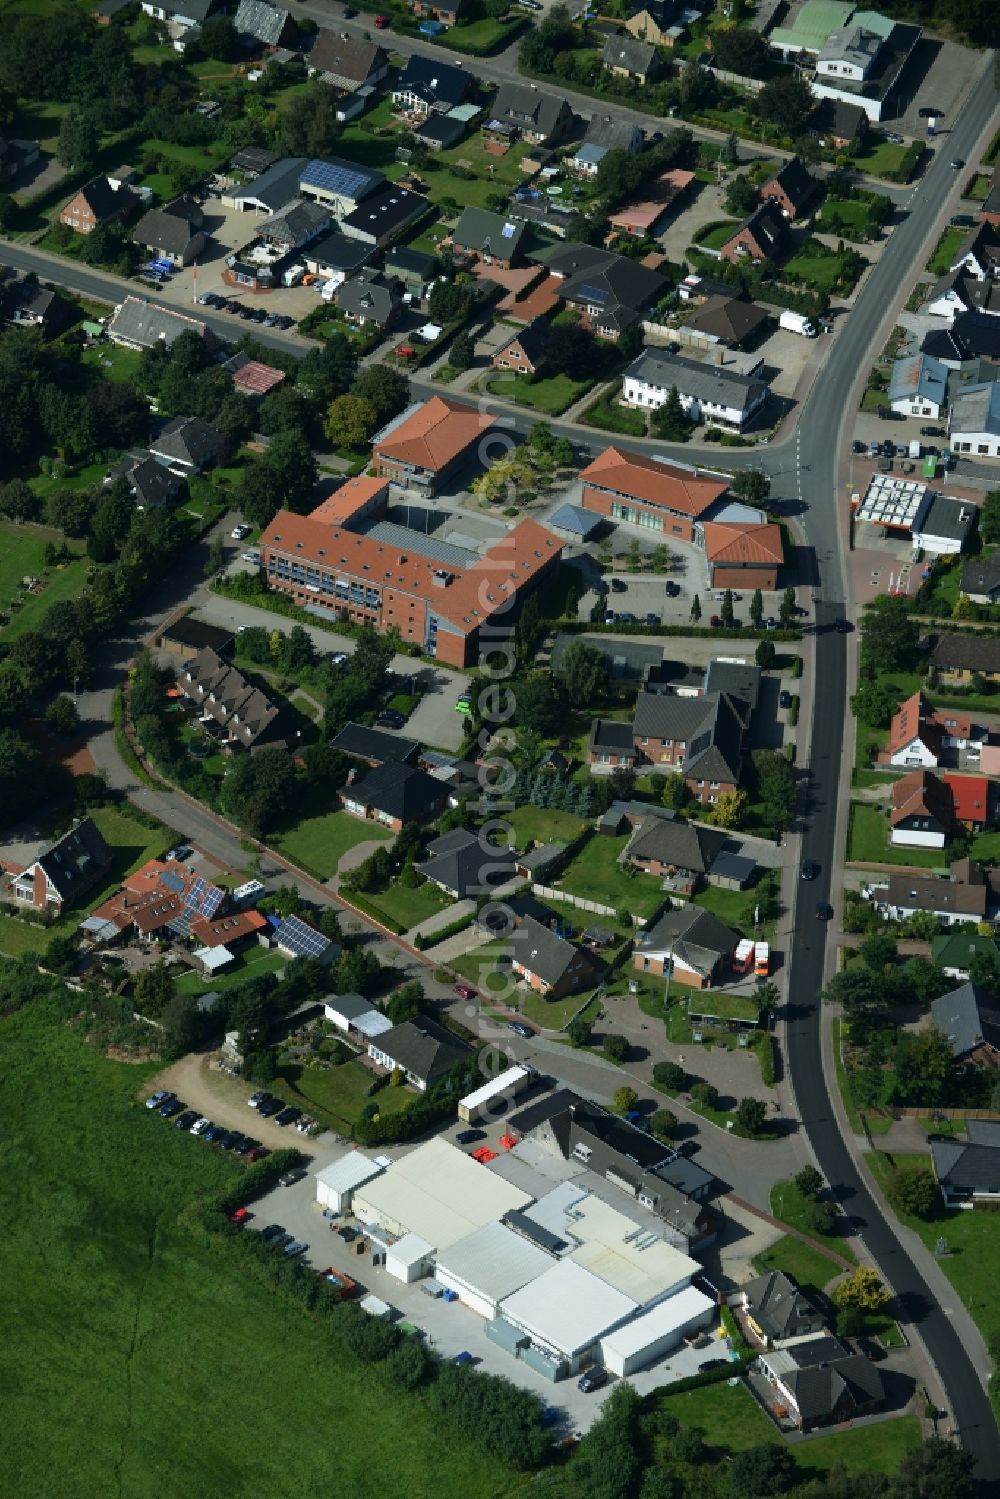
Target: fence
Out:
[594,906]
[990,1114]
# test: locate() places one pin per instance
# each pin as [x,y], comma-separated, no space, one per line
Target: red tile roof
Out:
[435,434]
[227,928]
[920,794]
[971,797]
[916,718]
[341,506]
[256,378]
[727,541]
[681,490]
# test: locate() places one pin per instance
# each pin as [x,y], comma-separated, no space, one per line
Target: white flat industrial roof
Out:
[891,502]
[349,1172]
[667,1316]
[622,1250]
[440,1193]
[498,1084]
[495,1261]
[411,1249]
[567,1308]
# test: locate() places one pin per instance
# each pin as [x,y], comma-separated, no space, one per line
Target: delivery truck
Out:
[796,322]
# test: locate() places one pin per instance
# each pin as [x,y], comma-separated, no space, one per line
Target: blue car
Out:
[214,1134]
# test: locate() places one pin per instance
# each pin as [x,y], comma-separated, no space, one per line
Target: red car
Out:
[465,991]
[240,1216]
[381,22]
[257,1154]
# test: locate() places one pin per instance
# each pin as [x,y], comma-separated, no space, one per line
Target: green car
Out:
[464,705]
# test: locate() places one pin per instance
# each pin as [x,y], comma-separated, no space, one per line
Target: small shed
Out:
[410,1258]
[527,865]
[731,871]
[573,521]
[336,1183]
[213,959]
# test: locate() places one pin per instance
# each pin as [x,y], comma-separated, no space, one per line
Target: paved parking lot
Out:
[938,74]
[449,1327]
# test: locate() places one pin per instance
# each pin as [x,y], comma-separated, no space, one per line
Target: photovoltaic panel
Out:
[172,881]
[302,940]
[336,177]
[212,902]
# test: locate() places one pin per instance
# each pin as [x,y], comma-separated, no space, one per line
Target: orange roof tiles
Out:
[227,928]
[727,541]
[971,797]
[684,491]
[467,599]
[642,213]
[256,378]
[435,434]
[916,718]
[341,506]
[920,794]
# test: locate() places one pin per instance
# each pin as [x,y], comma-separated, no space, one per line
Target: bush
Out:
[764,1047]
[443,933]
[670,1076]
[706,1095]
[616,1049]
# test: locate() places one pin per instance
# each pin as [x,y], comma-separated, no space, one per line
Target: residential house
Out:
[488,236]
[953,952]
[421,1050]
[979,253]
[370,298]
[942,526]
[970,801]
[610,746]
[257,21]
[549,964]
[662,22]
[375,746]
[248,717]
[160,898]
[427,84]
[956,659]
[186,636]
[64,871]
[173,232]
[970,1018]
[346,62]
[960,291]
[820,1382]
[688,945]
[684,851]
[181,16]
[921,811]
[96,203]
[725,319]
[989,208]
[792,188]
[525,353]
[609,291]
[638,489]
[974,421]
[971,337]
[394,795]
[605,133]
[297,224]
[151,484]
[708,392]
[951,901]
[337,258]
[921,734]
[700,738]
[412,269]
[429,442]
[627,57]
[445,11]
[762,236]
[463,865]
[140,324]
[105,10]
[438,600]
[642,216]
[777,1311]
[918,386]
[187,445]
[522,112]
[355,1017]
[16,156]
[981,580]
[969,1174]
[30,305]
[234,930]
[838,123]
[743,556]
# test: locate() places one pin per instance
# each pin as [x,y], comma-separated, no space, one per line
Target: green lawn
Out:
[807,1266]
[843,1078]
[788,1204]
[850,211]
[727,905]
[250,963]
[336,1095]
[714,236]
[480,38]
[407,906]
[879,158]
[543,824]
[552,396]
[820,271]
[733,1421]
[973,1261]
[610,417]
[944,252]
[987,847]
[318,843]
[112,361]
[167,1321]
[595,875]
[722,1005]
[21,556]
[868,841]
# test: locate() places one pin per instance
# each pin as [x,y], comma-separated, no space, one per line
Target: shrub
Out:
[670,1076]
[616,1048]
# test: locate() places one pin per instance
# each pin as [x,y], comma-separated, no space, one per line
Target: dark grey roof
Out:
[728,318]
[733,867]
[384,211]
[976,409]
[489,233]
[692,933]
[465,865]
[967,1167]
[837,117]
[197,633]
[608,281]
[339,252]
[351,1006]
[826,1385]
[541,952]
[519,105]
[981,574]
[401,260]
[375,744]
[279,184]
[613,133]
[779,1307]
[438,83]
[702,382]
[160,230]
[939,515]
[969,1017]
[629,53]
[398,790]
[610,734]
[982,243]
[348,59]
[440,130]
[533,339]
[684,1175]
[76,860]
[573,518]
[105,200]
[793,178]
[688,845]
[145,323]
[974,295]
[152,484]
[194,10]
[188,440]
[296,222]
[369,295]
[254,159]
[767,224]
[966,652]
[542,1109]
[264,22]
[711,727]
[976,334]
[492,918]
[741,679]
[625,658]
[233,702]
[423,1048]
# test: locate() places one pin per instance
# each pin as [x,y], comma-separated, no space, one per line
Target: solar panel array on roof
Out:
[508,231]
[301,940]
[172,881]
[336,177]
[593,294]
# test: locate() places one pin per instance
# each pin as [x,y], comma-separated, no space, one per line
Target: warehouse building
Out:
[647,1338]
[336,1183]
[563,1314]
[438,1193]
[489,1265]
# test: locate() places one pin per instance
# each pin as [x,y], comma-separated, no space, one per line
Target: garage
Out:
[648,1338]
[336,1183]
[488,1265]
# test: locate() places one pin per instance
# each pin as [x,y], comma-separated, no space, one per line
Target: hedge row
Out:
[703,632]
[353,898]
[764,1047]
[443,933]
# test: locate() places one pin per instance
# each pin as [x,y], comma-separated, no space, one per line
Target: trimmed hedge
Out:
[764,1047]
[737,1367]
[451,930]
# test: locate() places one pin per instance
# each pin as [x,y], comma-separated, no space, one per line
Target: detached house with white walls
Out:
[918,386]
[708,393]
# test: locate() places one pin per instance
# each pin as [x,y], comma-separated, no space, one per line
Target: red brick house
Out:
[760,237]
[430,443]
[527,352]
[742,556]
[96,203]
[792,188]
[446,11]
[549,965]
[635,488]
[690,945]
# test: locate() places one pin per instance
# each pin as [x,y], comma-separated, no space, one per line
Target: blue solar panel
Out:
[213,900]
[194,895]
[172,881]
[301,940]
[593,294]
[335,177]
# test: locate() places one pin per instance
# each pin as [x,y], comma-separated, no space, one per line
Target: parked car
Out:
[256,1099]
[932,432]
[297,1246]
[465,991]
[874,448]
[784,698]
[389,718]
[672,590]
[962,221]
[626,618]
[810,869]
[171,1108]
[200,1126]
[858,447]
[257,1153]
[652,619]
[284,321]
[213,1134]
[893,138]
[187,1119]
[824,910]
[271,1107]
[271,1232]
[289,1178]
[957,163]
[609,616]
[339,658]
[465,1357]
[712,1363]
[230,1139]
[238,532]
[245,1146]
[467,1136]
[771,623]
[381,23]
[617,586]
[288,1116]
[594,1378]
[519,1029]
[155,1100]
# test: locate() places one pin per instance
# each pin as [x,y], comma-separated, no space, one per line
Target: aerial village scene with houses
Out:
[500,681]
